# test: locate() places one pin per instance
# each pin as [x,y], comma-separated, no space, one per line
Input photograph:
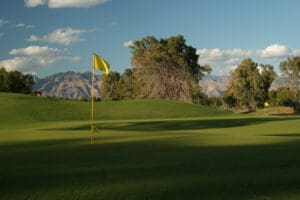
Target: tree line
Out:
[15,81]
[250,83]
[168,68]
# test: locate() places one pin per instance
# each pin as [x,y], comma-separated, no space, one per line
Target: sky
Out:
[51,36]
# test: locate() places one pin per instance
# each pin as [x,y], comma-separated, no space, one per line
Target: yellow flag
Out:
[100,64]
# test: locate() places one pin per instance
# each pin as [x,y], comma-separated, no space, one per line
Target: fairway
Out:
[145,149]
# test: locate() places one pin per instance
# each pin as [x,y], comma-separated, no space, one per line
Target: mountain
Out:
[213,85]
[70,85]
[74,85]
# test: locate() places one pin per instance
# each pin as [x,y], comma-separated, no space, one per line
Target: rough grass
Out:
[212,155]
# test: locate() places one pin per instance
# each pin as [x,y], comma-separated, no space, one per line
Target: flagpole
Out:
[92,106]
[98,64]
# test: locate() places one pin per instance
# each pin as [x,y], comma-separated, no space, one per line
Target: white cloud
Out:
[64,3]
[21,25]
[128,43]
[222,61]
[34,57]
[64,36]
[17,63]
[33,38]
[217,57]
[277,51]
[274,50]
[3,22]
[34,3]
[1,35]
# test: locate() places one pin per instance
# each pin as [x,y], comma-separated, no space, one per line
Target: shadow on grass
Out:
[171,125]
[284,135]
[68,169]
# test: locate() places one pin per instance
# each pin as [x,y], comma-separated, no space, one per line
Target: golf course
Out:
[144,149]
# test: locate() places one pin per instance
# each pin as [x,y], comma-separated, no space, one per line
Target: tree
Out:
[249,84]
[15,81]
[266,77]
[166,68]
[3,80]
[110,86]
[127,85]
[283,96]
[291,69]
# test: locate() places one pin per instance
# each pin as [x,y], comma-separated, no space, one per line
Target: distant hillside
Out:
[214,85]
[70,85]
[74,85]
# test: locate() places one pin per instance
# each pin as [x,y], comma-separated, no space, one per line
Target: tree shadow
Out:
[284,135]
[147,170]
[171,125]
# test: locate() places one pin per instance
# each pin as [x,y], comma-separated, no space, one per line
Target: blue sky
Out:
[50,36]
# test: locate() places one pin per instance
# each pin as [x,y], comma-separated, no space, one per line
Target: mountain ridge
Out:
[76,85]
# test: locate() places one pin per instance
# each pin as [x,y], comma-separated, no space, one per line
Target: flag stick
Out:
[92,107]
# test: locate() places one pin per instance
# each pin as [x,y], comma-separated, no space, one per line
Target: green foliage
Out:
[15,81]
[283,97]
[127,85]
[215,102]
[166,68]
[110,89]
[249,85]
[267,75]
[291,69]
[229,99]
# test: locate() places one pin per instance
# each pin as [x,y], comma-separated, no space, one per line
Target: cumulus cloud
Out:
[3,22]
[128,43]
[274,50]
[277,51]
[64,36]
[218,57]
[1,35]
[21,25]
[222,61]
[34,57]
[64,3]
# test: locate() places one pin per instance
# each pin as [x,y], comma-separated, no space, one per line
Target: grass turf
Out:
[182,152]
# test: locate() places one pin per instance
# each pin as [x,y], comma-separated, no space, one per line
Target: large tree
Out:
[166,68]
[249,84]
[15,81]
[291,69]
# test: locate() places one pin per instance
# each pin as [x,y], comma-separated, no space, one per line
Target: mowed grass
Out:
[145,150]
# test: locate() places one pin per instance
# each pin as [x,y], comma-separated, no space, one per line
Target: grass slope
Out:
[172,154]
[30,108]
